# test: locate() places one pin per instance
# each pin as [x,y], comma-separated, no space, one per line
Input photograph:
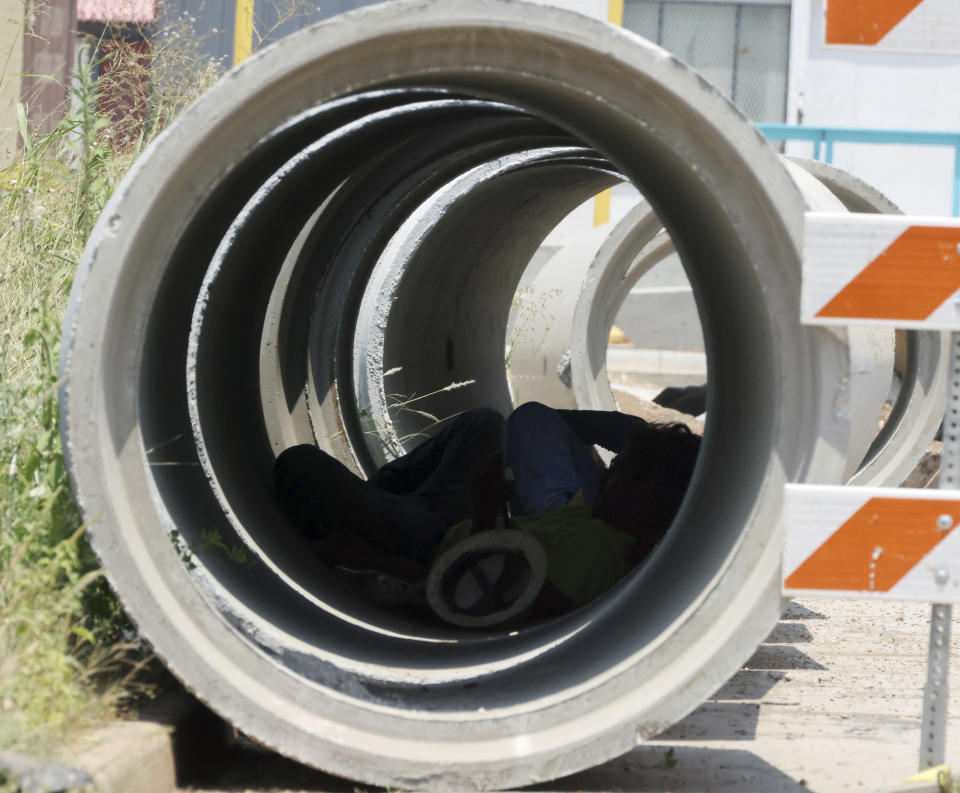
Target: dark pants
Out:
[407,507]
[549,452]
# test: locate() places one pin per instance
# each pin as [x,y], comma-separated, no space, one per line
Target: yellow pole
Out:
[615,12]
[601,203]
[243,31]
[601,208]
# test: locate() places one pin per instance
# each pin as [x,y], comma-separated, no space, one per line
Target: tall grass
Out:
[64,654]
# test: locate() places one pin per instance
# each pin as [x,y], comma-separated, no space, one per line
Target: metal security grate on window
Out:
[742,48]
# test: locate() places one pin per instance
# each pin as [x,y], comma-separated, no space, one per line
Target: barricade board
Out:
[896,544]
[927,27]
[894,270]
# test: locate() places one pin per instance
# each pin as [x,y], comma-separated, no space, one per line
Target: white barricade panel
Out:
[927,27]
[893,270]
[897,544]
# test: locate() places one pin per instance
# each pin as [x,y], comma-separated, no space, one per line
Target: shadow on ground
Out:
[650,769]
[647,769]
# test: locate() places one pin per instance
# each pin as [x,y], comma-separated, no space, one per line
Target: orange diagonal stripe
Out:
[877,547]
[864,21]
[909,280]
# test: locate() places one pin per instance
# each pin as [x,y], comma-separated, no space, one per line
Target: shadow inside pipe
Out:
[241,766]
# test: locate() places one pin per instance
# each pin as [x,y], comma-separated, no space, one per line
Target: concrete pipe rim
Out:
[372,351]
[630,251]
[343,722]
[918,409]
[859,379]
[637,243]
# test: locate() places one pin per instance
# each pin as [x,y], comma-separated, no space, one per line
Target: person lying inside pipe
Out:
[592,523]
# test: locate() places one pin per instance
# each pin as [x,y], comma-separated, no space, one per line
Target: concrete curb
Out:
[147,755]
[130,756]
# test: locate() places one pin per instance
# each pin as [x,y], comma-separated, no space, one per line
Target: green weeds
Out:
[65,650]
[398,404]
[531,318]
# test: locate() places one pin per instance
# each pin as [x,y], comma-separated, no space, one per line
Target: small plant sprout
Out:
[212,542]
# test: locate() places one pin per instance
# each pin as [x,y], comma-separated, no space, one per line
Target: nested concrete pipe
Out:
[873,459]
[472,242]
[215,319]
[921,362]
[538,331]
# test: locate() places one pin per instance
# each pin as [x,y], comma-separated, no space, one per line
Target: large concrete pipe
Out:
[632,249]
[473,240]
[874,459]
[921,363]
[214,319]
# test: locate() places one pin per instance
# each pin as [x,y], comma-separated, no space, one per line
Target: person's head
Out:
[642,490]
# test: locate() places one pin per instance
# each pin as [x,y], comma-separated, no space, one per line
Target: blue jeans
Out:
[549,453]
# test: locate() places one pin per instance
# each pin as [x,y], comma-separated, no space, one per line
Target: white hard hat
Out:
[487,579]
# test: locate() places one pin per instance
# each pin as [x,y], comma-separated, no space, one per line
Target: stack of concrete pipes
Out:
[324,248]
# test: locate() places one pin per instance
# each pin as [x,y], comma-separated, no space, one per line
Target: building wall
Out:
[598,9]
[739,46]
[882,87]
[11,52]
[898,84]
[273,19]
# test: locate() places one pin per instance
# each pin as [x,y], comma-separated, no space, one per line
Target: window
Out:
[741,48]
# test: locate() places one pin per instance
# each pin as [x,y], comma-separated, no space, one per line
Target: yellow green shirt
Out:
[585,555]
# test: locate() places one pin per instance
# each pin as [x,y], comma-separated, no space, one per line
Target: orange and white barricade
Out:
[916,26]
[873,542]
[881,269]
[893,543]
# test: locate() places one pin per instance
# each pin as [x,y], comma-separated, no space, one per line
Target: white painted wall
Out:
[865,87]
[597,9]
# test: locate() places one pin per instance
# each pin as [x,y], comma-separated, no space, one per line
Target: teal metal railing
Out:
[823,139]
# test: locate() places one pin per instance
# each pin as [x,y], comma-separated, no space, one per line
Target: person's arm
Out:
[607,428]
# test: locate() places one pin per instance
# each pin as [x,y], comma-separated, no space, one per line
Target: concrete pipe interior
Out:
[219,316]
